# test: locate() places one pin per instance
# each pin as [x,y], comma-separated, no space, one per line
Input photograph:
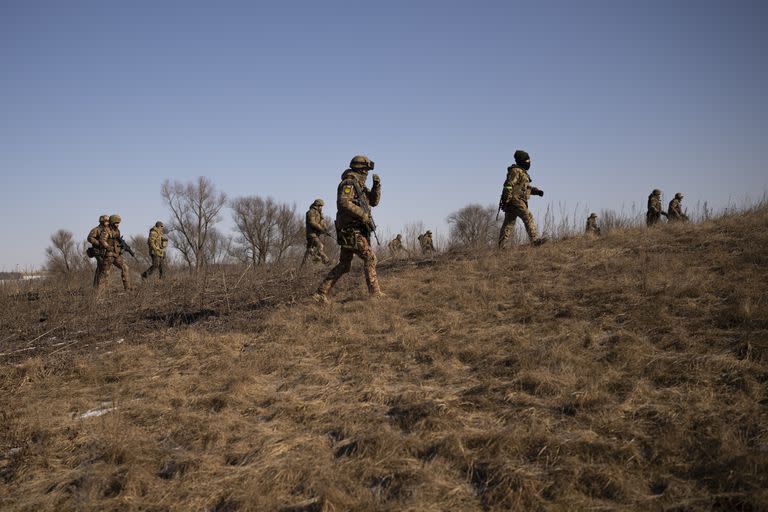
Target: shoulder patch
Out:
[347,189]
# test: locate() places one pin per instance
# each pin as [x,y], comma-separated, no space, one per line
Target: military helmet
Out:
[429,232]
[114,219]
[678,196]
[159,224]
[656,192]
[592,215]
[521,156]
[361,162]
[103,218]
[318,202]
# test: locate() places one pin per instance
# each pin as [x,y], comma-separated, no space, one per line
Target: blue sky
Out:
[102,101]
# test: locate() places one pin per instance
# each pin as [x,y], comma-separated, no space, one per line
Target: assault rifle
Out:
[124,246]
[366,208]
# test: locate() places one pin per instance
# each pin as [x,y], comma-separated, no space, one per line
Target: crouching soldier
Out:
[426,244]
[592,228]
[675,210]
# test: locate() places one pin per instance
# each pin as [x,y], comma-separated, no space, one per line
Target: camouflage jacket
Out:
[314,222]
[395,244]
[654,204]
[157,242]
[517,186]
[425,241]
[110,238]
[592,226]
[349,212]
[675,211]
[94,237]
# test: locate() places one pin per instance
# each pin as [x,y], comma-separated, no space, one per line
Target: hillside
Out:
[628,372]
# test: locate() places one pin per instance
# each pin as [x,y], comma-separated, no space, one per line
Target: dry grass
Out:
[624,373]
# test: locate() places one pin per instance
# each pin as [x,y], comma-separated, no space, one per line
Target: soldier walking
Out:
[514,200]
[96,250]
[315,226]
[157,243]
[353,226]
[654,213]
[675,210]
[592,228]
[111,240]
[426,243]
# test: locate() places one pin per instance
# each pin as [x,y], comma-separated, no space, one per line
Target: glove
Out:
[376,179]
[538,192]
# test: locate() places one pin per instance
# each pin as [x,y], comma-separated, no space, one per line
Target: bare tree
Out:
[61,256]
[139,245]
[411,233]
[289,229]
[195,210]
[473,226]
[255,219]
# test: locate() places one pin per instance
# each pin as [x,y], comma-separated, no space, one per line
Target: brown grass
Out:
[624,373]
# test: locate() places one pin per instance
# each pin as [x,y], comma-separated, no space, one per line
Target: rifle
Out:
[127,248]
[366,208]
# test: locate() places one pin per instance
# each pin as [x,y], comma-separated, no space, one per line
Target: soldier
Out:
[654,208]
[396,248]
[675,210]
[315,224]
[96,250]
[110,239]
[427,246]
[592,228]
[514,199]
[157,243]
[353,226]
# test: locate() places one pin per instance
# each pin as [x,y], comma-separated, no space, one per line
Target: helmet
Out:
[114,219]
[592,215]
[656,192]
[429,232]
[399,236]
[521,156]
[678,195]
[361,162]
[103,219]
[318,202]
[159,224]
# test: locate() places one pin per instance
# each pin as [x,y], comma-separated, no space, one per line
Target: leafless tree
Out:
[473,226]
[255,219]
[62,256]
[411,233]
[288,232]
[139,245]
[195,210]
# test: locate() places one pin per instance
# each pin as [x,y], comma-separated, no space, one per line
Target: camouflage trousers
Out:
[315,250]
[365,252]
[117,260]
[652,218]
[511,212]
[158,263]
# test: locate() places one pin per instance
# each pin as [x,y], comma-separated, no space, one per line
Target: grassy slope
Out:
[624,373]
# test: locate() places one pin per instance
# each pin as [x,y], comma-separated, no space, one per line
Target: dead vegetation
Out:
[628,372]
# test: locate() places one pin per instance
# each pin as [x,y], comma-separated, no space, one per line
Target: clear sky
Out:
[101,101]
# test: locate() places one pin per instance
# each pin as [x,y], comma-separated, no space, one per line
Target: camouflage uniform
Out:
[353,225]
[96,248]
[157,243]
[425,242]
[654,213]
[395,246]
[675,210]
[514,200]
[315,226]
[110,239]
[592,228]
